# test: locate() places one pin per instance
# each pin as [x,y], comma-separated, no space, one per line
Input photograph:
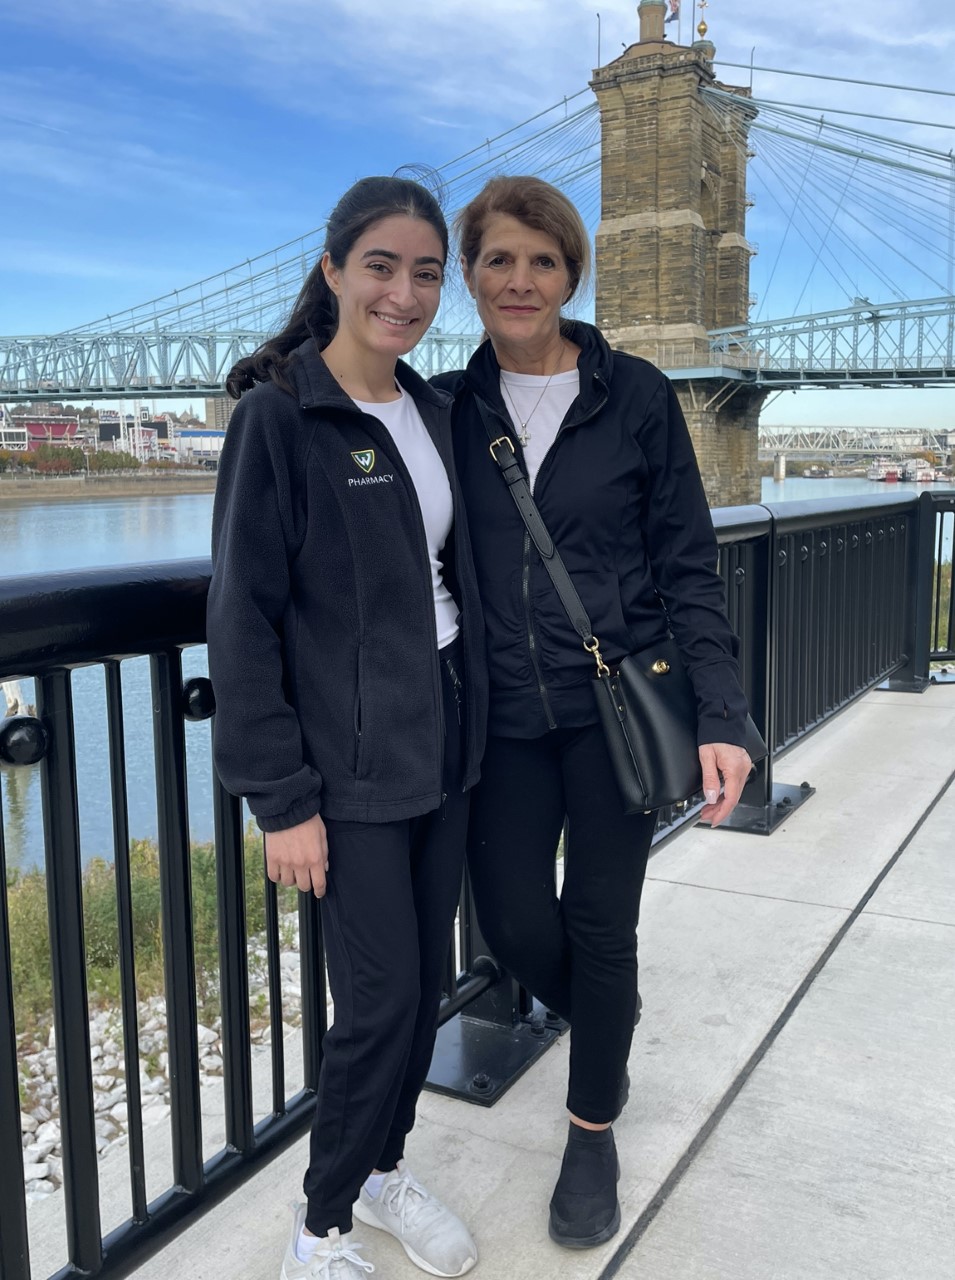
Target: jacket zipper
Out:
[526,569]
[531,638]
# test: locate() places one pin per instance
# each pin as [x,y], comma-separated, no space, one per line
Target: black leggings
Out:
[576,953]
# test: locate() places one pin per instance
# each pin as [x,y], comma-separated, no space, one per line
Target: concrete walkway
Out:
[792,1114]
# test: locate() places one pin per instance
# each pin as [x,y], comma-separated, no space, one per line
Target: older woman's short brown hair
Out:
[537,204]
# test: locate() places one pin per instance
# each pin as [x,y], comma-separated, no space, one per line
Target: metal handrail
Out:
[828,598]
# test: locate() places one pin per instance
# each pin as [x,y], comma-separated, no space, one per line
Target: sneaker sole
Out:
[370,1219]
[586,1242]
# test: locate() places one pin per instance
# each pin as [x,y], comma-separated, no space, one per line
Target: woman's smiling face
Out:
[519,281]
[389,288]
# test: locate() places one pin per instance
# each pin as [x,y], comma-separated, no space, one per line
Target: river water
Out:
[39,537]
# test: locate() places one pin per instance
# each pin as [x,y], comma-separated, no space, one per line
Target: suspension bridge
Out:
[852,213]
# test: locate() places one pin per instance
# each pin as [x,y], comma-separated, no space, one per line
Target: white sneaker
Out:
[337,1256]
[434,1238]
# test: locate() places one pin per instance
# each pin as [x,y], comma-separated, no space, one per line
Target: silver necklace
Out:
[523,434]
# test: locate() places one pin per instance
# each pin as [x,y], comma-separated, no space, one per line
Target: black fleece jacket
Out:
[621,494]
[321,629]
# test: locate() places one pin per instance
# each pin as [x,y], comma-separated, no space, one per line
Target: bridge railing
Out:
[165,362]
[895,340]
[828,599]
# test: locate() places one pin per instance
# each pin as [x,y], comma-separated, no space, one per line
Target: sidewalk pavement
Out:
[792,1112]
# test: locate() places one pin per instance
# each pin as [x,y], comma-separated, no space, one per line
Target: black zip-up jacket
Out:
[321,627]
[621,494]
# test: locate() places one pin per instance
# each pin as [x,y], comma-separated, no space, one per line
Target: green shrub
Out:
[30,939]
[30,946]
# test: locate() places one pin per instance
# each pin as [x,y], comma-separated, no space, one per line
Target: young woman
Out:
[607,453]
[346,653]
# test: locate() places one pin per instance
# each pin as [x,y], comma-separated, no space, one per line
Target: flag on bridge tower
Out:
[674,11]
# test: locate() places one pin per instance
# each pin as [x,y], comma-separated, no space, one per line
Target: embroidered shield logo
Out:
[365,458]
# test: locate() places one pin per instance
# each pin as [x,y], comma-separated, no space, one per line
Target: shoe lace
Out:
[407,1198]
[339,1253]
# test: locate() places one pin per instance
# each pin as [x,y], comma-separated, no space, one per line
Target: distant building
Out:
[201,446]
[110,429]
[219,411]
[48,430]
[13,434]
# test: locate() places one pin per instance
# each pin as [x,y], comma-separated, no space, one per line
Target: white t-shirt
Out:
[521,392]
[404,425]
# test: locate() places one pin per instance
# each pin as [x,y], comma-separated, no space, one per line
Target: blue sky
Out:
[143,146]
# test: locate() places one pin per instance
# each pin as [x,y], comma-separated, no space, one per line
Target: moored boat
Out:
[884,469]
[918,470]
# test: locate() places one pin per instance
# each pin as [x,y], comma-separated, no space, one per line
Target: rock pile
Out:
[39,1101]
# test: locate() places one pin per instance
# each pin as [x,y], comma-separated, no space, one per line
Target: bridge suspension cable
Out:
[838,188]
[815,75]
[561,144]
[876,214]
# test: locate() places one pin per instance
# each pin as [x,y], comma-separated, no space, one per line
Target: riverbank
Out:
[26,896]
[151,485]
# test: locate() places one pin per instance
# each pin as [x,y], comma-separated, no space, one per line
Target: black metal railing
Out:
[828,599]
[49,629]
[941,638]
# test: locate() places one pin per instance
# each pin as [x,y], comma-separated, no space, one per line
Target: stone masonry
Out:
[671,251]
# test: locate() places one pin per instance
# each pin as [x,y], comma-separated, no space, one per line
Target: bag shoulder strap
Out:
[503,453]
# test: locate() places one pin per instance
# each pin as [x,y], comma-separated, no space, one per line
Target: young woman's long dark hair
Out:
[315,313]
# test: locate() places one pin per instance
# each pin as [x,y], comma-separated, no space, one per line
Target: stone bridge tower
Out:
[671,249]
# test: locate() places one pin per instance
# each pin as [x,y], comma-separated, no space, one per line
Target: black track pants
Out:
[575,953]
[392,893]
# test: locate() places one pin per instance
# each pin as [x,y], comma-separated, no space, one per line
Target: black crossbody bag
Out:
[647,707]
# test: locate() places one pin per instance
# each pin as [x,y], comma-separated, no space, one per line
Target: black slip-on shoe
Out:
[584,1210]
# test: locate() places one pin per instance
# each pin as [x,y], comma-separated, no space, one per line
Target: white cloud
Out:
[450,61]
[73,131]
[453,61]
[441,70]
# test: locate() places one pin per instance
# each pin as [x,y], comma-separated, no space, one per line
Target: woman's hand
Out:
[733,764]
[299,856]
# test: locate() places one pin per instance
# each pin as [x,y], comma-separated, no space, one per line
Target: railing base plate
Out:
[478,1061]
[762,820]
[918,685]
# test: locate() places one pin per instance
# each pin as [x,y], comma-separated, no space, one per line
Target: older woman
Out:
[606,450]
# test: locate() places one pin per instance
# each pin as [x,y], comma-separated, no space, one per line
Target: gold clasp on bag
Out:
[500,440]
[661,667]
[594,648]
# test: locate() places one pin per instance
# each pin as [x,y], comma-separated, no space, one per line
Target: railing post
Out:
[764,803]
[178,945]
[126,941]
[14,1243]
[61,828]
[920,573]
[314,988]
[233,969]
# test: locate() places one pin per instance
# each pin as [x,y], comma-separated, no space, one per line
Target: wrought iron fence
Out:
[828,600]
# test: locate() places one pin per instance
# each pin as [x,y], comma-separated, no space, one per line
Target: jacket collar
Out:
[318,388]
[594,364]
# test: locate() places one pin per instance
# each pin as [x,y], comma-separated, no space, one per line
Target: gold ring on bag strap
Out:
[594,648]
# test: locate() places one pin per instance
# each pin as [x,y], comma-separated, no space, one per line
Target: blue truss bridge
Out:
[851,213]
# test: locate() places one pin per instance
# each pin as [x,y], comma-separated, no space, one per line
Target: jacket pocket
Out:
[357,715]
